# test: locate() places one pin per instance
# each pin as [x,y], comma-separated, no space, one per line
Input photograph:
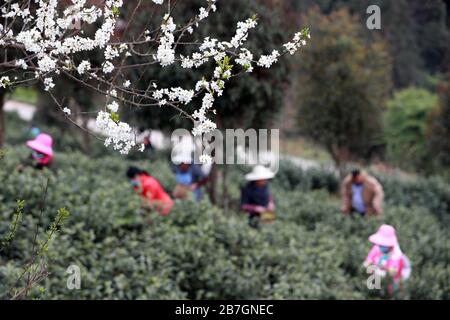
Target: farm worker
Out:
[189,178]
[152,194]
[256,199]
[41,152]
[361,193]
[386,257]
[34,132]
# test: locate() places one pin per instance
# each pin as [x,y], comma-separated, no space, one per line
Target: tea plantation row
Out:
[201,252]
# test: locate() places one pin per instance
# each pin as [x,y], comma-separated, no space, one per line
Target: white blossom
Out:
[111,53]
[113,106]
[4,82]
[22,64]
[48,82]
[119,134]
[108,67]
[267,60]
[84,66]
[298,42]
[166,54]
[203,14]
[245,59]
[242,32]
[46,64]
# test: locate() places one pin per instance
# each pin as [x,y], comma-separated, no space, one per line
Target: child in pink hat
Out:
[42,151]
[387,257]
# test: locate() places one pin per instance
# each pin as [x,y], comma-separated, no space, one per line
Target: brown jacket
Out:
[372,195]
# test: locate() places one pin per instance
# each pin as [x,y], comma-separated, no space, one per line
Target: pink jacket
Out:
[393,264]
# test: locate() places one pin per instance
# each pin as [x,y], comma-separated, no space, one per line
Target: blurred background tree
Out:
[344,83]
[416,33]
[438,133]
[405,124]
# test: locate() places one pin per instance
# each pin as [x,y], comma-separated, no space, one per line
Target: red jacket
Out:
[151,191]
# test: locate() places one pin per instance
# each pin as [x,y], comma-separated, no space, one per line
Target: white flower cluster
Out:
[298,41]
[4,82]
[119,134]
[113,106]
[166,53]
[212,48]
[108,67]
[48,82]
[203,124]
[15,11]
[111,53]
[47,64]
[203,12]
[242,32]
[158,1]
[84,66]
[174,95]
[44,34]
[21,64]
[267,60]
[245,59]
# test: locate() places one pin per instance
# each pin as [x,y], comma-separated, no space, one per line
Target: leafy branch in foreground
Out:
[2,153]
[36,269]
[17,218]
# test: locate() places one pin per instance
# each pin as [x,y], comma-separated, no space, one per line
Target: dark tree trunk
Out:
[341,157]
[225,198]
[86,138]
[2,118]
[212,182]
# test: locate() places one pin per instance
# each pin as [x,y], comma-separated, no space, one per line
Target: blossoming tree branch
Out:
[43,40]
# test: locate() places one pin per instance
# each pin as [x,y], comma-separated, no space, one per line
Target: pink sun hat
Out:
[42,143]
[385,236]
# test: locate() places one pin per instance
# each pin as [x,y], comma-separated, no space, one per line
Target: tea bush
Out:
[201,252]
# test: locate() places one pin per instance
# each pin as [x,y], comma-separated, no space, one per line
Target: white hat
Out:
[182,158]
[259,173]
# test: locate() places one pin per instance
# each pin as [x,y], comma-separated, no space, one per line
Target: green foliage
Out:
[17,217]
[405,127]
[25,94]
[343,87]
[198,252]
[438,132]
